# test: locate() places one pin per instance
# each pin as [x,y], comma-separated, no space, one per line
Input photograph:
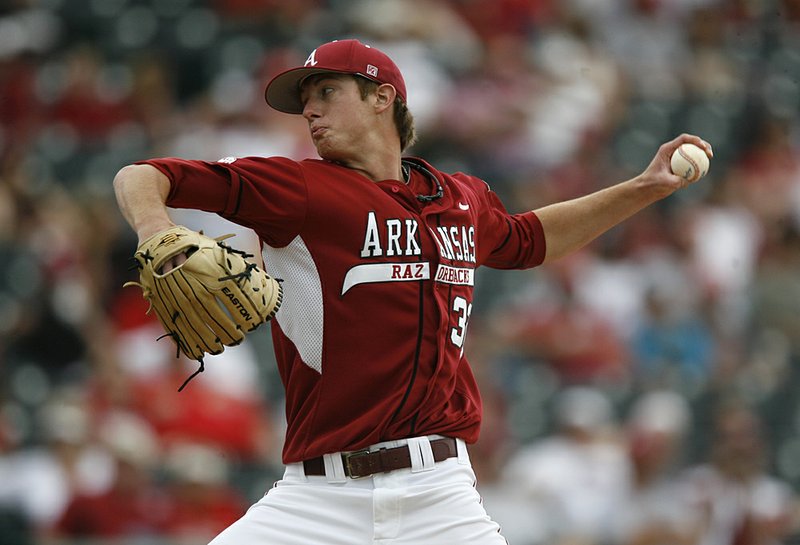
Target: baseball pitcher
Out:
[376,255]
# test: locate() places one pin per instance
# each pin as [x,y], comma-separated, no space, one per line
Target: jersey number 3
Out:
[463,309]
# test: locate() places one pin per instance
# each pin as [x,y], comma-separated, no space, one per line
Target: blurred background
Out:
[641,391]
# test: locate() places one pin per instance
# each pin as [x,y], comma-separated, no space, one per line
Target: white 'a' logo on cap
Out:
[312,59]
[372,71]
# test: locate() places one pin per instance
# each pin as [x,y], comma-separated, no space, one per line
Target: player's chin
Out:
[327,151]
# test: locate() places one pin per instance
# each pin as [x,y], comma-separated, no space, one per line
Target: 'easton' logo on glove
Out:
[235,301]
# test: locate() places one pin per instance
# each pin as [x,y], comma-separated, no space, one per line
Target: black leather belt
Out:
[363,463]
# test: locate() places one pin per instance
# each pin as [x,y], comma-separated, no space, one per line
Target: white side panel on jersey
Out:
[301,314]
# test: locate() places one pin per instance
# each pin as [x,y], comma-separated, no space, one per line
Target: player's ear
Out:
[385,95]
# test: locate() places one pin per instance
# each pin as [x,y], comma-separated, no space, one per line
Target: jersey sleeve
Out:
[267,195]
[516,241]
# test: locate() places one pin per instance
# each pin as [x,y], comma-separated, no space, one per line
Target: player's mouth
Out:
[318,132]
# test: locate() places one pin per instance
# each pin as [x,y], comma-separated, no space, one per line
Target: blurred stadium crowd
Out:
[639,392]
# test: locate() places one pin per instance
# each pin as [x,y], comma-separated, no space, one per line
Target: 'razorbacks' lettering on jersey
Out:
[455,275]
[378,288]
[385,272]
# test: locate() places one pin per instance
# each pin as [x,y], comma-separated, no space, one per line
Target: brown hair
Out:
[403,120]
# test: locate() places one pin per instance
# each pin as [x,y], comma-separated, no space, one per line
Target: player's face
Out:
[338,117]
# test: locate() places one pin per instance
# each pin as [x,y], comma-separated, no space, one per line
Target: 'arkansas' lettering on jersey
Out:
[456,242]
[400,238]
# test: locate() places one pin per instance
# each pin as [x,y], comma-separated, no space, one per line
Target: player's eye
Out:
[325,91]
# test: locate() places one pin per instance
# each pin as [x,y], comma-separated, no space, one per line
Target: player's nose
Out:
[310,111]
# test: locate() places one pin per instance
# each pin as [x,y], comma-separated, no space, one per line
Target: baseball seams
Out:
[695,175]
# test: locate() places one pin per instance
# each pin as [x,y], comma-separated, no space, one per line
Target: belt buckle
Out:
[347,469]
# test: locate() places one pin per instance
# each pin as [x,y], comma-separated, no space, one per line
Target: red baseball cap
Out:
[339,56]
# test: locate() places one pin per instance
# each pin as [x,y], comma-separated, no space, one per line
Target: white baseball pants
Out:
[433,505]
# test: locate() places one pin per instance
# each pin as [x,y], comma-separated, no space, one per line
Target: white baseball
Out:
[690,162]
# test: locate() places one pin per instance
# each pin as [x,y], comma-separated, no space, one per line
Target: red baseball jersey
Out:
[378,289]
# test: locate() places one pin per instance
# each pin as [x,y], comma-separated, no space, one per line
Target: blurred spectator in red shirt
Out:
[765,178]
[579,343]
[237,425]
[134,506]
[90,99]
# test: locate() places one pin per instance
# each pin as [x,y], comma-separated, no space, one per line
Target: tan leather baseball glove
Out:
[209,301]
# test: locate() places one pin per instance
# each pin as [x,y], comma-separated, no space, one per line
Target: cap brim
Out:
[283,92]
